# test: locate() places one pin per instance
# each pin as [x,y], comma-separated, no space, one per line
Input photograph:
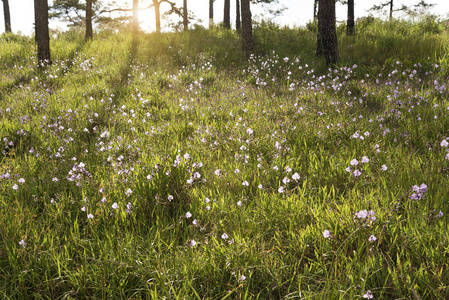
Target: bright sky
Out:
[298,12]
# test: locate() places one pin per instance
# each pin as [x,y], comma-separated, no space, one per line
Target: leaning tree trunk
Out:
[327,34]
[237,15]
[89,31]
[350,24]
[247,29]
[135,16]
[42,35]
[7,15]
[185,20]
[211,13]
[227,14]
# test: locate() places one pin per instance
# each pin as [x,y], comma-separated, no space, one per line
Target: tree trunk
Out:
[157,12]
[247,29]
[391,9]
[350,23]
[237,15]
[89,31]
[327,35]
[227,14]
[136,17]
[211,13]
[42,35]
[315,9]
[7,15]
[319,38]
[184,16]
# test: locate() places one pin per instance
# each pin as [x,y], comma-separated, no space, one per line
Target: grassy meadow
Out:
[170,167]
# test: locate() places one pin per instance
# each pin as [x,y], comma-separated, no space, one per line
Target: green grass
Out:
[168,167]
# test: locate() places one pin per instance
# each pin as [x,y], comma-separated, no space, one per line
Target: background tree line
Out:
[86,12]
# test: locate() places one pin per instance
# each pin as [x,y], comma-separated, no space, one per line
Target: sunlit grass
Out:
[170,167]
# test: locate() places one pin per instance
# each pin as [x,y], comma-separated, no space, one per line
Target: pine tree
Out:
[7,16]
[185,19]
[211,13]
[327,44]
[89,30]
[350,23]
[42,35]
[227,14]
[237,15]
[247,30]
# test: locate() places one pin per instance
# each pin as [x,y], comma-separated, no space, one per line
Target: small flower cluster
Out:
[418,192]
[7,146]
[194,175]
[444,144]
[225,237]
[296,177]
[77,173]
[15,186]
[5,176]
[129,207]
[366,215]
[368,295]
[355,162]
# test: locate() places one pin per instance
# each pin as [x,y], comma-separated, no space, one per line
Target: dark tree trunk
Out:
[350,23]
[7,15]
[136,16]
[185,20]
[237,15]
[227,14]
[157,12]
[315,9]
[42,35]
[391,9]
[211,13]
[247,28]
[89,31]
[327,36]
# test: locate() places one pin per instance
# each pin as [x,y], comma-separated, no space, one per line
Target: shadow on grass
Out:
[17,82]
[121,83]
[81,44]
[39,72]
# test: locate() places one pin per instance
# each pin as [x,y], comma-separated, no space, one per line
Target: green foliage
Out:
[269,37]
[167,166]
[379,41]
[73,12]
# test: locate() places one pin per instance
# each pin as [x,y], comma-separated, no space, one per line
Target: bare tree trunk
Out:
[157,12]
[237,15]
[42,35]
[136,16]
[350,23]
[211,13]
[327,34]
[391,9]
[247,28]
[89,31]
[227,14]
[184,16]
[7,15]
